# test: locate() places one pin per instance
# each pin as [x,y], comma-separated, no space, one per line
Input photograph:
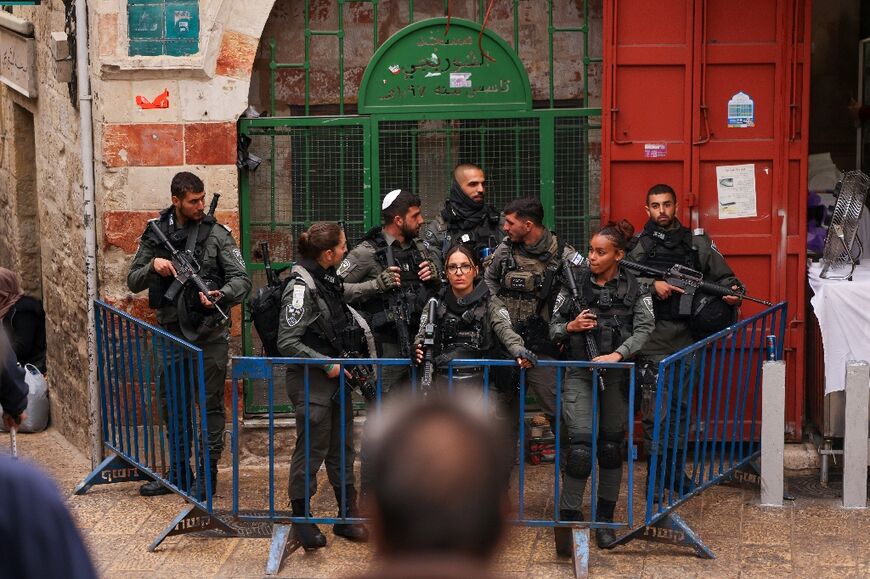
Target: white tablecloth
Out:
[843,310]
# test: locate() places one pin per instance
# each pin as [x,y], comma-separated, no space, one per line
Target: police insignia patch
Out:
[345,267]
[238,256]
[647,302]
[560,299]
[504,314]
[293,315]
[577,259]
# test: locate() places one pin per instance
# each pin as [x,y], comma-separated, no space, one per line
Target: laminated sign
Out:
[741,111]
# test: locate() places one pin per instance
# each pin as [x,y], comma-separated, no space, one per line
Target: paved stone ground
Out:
[810,537]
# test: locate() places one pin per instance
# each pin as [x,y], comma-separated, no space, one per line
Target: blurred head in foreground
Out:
[440,481]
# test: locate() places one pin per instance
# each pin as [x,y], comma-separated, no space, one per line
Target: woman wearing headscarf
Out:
[24,321]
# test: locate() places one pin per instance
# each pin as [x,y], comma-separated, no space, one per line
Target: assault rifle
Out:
[186,270]
[271,275]
[591,344]
[362,379]
[214,203]
[429,345]
[399,313]
[690,281]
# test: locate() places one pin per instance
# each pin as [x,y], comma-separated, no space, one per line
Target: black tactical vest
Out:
[461,324]
[481,240]
[408,260]
[663,249]
[614,307]
[528,290]
[157,284]
[335,332]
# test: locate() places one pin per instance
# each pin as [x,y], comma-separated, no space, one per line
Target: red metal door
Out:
[672,70]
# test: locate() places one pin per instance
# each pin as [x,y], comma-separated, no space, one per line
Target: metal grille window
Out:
[420,155]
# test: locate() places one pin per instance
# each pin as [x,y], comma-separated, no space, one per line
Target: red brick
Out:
[145,145]
[210,143]
[136,306]
[236,57]
[122,229]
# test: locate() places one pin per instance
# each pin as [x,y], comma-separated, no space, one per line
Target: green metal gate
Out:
[338,168]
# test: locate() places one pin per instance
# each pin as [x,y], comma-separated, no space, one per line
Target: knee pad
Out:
[610,453]
[578,463]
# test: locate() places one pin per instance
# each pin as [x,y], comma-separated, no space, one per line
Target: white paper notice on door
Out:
[736,187]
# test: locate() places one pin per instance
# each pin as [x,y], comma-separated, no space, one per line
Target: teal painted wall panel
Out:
[158,27]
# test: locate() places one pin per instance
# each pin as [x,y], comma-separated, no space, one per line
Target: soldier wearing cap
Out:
[663,243]
[466,219]
[190,315]
[391,275]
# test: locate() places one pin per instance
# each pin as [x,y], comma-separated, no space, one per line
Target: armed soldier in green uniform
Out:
[188,312]
[602,302]
[316,323]
[466,218]
[663,243]
[391,275]
[522,274]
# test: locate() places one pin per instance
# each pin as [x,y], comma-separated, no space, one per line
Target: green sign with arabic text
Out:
[430,66]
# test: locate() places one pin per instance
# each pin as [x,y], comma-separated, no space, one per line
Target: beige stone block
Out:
[107,31]
[107,6]
[249,17]
[147,188]
[222,99]
[117,101]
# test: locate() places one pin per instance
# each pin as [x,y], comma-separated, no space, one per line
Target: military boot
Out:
[563,534]
[605,537]
[307,533]
[156,488]
[351,531]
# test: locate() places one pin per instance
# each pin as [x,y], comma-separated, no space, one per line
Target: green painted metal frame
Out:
[370,123]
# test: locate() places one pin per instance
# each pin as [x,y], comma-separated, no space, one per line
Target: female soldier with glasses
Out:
[470,324]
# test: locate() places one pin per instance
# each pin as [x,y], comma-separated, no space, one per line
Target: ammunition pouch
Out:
[157,287]
[521,281]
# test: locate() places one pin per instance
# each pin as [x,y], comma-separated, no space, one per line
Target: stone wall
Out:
[41,207]
[285,27]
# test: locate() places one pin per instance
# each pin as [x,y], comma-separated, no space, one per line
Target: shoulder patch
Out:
[238,255]
[504,314]
[560,301]
[346,267]
[648,304]
[430,235]
[293,315]
[298,296]
[577,259]
[698,231]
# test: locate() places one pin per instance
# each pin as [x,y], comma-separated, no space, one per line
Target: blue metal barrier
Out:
[259,508]
[152,404]
[705,425]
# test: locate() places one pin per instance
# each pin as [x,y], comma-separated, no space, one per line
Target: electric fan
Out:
[838,259]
